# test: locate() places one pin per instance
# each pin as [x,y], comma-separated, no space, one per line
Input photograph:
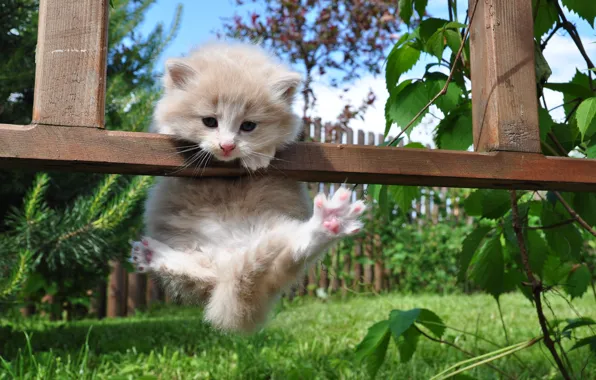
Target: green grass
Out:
[306,339]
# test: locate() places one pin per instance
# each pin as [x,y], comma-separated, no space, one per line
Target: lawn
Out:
[307,339]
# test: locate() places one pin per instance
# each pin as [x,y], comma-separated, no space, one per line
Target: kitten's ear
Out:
[178,74]
[285,85]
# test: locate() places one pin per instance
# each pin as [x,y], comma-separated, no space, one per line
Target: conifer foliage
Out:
[58,231]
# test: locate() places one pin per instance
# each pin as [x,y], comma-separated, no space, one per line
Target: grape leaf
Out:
[406,10]
[591,152]
[420,6]
[537,251]
[546,122]
[469,247]
[455,130]
[407,103]
[407,345]
[585,205]
[578,322]
[585,114]
[432,322]
[404,196]
[567,135]
[546,16]
[400,321]
[436,44]
[374,347]
[400,60]
[429,26]
[565,240]
[584,9]
[435,83]
[488,203]
[578,281]
[589,341]
[489,267]
[393,92]
[453,39]
[555,271]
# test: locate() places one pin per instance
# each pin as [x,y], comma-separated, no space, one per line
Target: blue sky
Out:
[201,17]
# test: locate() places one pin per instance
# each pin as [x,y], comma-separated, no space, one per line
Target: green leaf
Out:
[591,152]
[537,251]
[585,114]
[406,10]
[555,270]
[488,203]
[404,196]
[453,39]
[400,321]
[567,135]
[454,132]
[374,347]
[383,203]
[566,241]
[584,9]
[429,26]
[469,247]
[578,281]
[435,83]
[589,341]
[578,322]
[407,344]
[400,60]
[489,267]
[573,89]
[432,322]
[546,16]
[415,145]
[407,103]
[585,205]
[546,122]
[390,101]
[420,6]
[436,44]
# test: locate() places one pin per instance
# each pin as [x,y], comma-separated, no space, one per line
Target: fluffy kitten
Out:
[235,244]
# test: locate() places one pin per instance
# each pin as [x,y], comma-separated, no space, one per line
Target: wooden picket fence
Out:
[126,292]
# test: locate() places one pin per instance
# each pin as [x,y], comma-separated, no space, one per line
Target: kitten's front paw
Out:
[145,254]
[339,216]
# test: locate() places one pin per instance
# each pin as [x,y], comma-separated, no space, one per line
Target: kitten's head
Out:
[233,100]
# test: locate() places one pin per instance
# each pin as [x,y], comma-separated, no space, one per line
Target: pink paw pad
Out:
[332,225]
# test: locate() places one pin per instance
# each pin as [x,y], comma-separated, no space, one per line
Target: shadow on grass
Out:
[142,335]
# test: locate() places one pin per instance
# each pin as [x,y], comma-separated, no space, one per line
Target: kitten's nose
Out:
[227,148]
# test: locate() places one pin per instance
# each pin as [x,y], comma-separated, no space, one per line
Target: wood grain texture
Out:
[95,150]
[70,74]
[505,105]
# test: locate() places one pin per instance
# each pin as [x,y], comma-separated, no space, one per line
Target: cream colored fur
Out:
[233,245]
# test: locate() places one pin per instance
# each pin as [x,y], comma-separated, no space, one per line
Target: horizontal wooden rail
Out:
[46,147]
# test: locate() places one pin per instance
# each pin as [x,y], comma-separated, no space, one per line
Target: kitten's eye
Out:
[210,122]
[247,126]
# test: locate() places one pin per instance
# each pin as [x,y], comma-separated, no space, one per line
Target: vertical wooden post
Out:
[137,289]
[378,248]
[358,270]
[504,98]
[368,239]
[116,291]
[71,63]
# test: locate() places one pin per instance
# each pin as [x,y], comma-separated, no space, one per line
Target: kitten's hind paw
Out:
[144,254]
[338,215]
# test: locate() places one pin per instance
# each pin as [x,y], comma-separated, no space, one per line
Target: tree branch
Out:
[536,286]
[447,82]
[461,350]
[574,215]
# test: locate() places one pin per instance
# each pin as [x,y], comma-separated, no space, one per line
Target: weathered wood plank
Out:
[505,105]
[96,150]
[70,76]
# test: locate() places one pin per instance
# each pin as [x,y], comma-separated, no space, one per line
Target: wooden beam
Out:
[70,74]
[96,150]
[504,97]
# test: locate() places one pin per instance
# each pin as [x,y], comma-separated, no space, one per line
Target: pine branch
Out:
[18,275]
